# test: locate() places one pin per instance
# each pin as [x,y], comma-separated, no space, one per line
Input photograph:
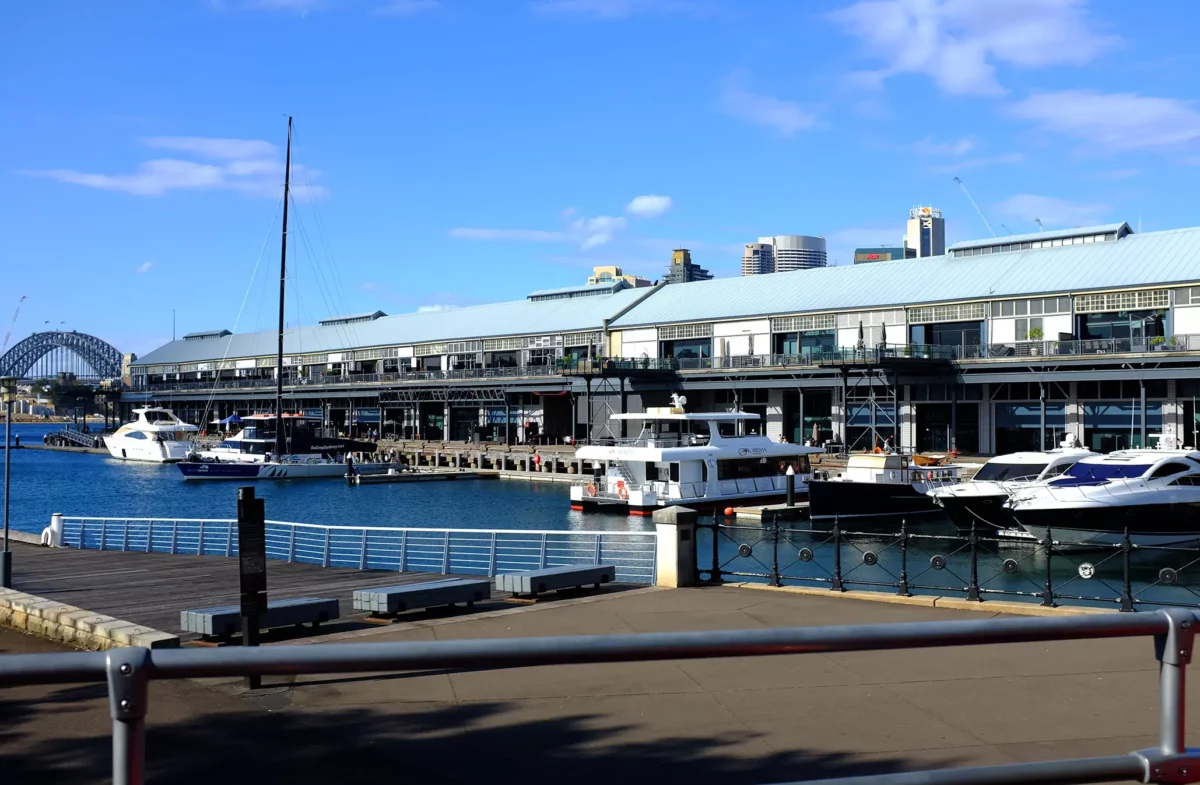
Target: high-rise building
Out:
[926,231]
[883,254]
[683,271]
[611,274]
[783,254]
[758,259]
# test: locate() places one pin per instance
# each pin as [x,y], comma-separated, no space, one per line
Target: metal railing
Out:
[128,673]
[446,551]
[73,435]
[975,565]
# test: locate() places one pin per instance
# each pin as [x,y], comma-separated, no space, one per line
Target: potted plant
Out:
[1035,334]
[1158,342]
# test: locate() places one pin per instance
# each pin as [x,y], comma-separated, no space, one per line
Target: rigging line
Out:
[345,337]
[261,251]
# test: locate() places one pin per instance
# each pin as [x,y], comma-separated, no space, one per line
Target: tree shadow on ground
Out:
[413,743]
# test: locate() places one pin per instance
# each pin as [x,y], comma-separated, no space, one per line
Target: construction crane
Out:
[13,324]
[1005,228]
[972,201]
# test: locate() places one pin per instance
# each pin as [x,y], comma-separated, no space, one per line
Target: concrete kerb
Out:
[953,603]
[77,627]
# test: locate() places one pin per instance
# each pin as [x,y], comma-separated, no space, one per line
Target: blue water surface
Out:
[45,482]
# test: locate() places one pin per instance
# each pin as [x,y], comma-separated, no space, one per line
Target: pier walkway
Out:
[152,588]
[734,721]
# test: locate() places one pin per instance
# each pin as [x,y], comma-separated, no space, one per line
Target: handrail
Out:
[128,672]
[585,532]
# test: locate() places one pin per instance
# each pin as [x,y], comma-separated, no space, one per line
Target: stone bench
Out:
[427,594]
[225,620]
[534,582]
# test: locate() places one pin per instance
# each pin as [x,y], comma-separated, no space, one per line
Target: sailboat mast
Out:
[280,440]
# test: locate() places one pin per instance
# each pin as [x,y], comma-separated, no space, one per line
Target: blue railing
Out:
[446,551]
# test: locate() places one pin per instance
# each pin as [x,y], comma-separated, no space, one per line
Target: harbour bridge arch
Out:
[87,356]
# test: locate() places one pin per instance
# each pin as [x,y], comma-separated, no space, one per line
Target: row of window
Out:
[1086,239]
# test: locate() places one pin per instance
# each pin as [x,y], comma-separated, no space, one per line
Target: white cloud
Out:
[929,147]
[976,163]
[1052,211]
[406,7]
[434,308]
[567,213]
[786,117]
[648,206]
[958,42]
[248,166]
[620,9]
[144,267]
[1114,122]
[586,232]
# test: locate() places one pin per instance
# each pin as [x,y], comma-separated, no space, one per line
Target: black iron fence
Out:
[975,565]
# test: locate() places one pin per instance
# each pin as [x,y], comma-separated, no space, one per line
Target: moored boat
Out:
[878,484]
[156,435]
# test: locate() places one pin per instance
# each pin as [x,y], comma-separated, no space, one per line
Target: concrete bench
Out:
[535,582]
[428,594]
[225,620]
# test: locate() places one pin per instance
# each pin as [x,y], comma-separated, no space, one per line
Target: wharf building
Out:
[995,346]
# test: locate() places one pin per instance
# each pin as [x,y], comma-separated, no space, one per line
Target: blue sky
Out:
[451,152]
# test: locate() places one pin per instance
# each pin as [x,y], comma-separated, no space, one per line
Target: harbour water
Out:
[46,482]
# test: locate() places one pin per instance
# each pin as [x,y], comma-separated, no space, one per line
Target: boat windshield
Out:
[1085,473]
[744,468]
[158,417]
[997,472]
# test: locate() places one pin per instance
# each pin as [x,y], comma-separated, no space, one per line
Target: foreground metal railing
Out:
[445,551]
[128,672]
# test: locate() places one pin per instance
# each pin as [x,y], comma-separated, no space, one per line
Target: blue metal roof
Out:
[366,316]
[1151,259]
[582,289]
[518,317]
[1051,235]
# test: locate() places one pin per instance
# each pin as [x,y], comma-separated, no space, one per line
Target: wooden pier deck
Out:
[152,588]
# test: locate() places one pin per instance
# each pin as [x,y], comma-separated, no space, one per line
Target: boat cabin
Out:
[894,469]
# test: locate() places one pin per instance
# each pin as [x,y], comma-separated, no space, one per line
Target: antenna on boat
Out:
[280,442]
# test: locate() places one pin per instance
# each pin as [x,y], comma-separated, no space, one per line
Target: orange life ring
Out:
[591,489]
[623,492]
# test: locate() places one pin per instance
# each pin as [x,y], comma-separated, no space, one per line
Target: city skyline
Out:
[128,183]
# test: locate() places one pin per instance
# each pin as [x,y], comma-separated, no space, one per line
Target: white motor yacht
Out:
[698,459]
[1152,494]
[980,501]
[155,436]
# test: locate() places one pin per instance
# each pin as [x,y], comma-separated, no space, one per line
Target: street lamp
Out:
[8,394]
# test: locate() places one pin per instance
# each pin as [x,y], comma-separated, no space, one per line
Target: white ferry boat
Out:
[695,459]
[155,436]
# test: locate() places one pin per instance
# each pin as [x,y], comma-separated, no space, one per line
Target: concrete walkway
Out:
[734,721]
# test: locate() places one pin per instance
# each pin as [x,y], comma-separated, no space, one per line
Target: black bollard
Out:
[252,563]
[791,487]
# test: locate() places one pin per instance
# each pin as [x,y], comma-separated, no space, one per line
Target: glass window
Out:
[1167,469]
[135,435]
[1019,424]
[1022,329]
[1116,425]
[1110,236]
[1035,307]
[1064,304]
[1025,246]
[1009,307]
[1089,239]
[1022,307]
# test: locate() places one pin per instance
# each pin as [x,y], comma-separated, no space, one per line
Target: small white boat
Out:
[1152,494]
[155,436]
[981,501]
[695,459]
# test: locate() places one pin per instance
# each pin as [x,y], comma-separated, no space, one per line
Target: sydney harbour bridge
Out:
[45,355]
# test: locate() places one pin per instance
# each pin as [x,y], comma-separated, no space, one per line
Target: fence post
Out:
[103,533]
[446,553]
[714,576]
[362,554]
[174,537]
[775,550]
[542,556]
[1048,594]
[125,535]
[904,592]
[328,547]
[836,583]
[150,536]
[127,697]
[292,544]
[492,557]
[200,541]
[229,541]
[1127,586]
[403,550]
[973,589]
[1174,650]
[599,554]
[82,533]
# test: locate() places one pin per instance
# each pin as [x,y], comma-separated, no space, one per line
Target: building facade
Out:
[883,254]
[990,352]
[608,274]
[926,234]
[758,259]
[682,270]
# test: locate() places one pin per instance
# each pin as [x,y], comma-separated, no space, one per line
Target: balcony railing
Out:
[808,356]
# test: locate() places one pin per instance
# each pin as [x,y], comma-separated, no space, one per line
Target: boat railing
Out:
[655,442]
[445,551]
